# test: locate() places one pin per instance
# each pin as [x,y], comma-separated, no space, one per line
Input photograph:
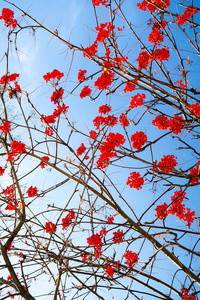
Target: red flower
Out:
[110,220]
[53,75]
[107,149]
[188,12]
[123,120]
[49,131]
[143,60]
[168,162]
[93,134]
[151,7]
[50,227]
[2,170]
[86,91]
[137,100]
[138,139]
[118,236]
[104,109]
[84,257]
[81,76]
[135,181]
[32,191]
[42,164]
[186,296]
[155,37]
[81,149]
[92,50]
[131,258]
[68,219]
[130,86]
[57,94]
[195,108]
[97,2]
[161,211]
[104,30]
[161,122]
[109,271]
[176,124]
[8,78]
[8,16]
[104,80]
[160,54]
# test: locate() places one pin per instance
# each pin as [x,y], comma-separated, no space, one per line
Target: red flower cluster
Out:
[84,257]
[9,192]
[52,118]
[96,241]
[104,80]
[32,191]
[8,78]
[2,170]
[130,86]
[50,227]
[195,108]
[68,219]
[110,270]
[104,30]
[92,50]
[104,109]
[110,220]
[107,149]
[118,236]
[143,60]
[175,124]
[186,296]
[167,162]
[109,120]
[42,164]
[81,76]
[176,208]
[53,75]
[8,16]
[57,95]
[160,54]
[188,12]
[161,121]
[195,171]
[16,147]
[5,127]
[81,149]
[161,211]
[135,180]
[138,139]
[93,134]
[137,100]
[155,37]
[97,2]
[152,7]
[131,258]
[13,92]
[123,120]
[48,131]
[86,91]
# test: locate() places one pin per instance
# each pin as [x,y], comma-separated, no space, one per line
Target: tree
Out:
[102,204]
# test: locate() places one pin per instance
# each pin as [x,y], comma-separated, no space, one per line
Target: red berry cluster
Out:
[8,16]
[50,227]
[118,236]
[137,100]
[96,241]
[135,180]
[188,12]
[138,139]
[131,258]
[68,219]
[32,191]
[107,149]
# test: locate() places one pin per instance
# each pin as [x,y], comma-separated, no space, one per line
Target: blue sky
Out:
[39,54]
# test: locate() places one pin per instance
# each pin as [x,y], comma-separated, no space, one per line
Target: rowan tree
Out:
[100,179]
